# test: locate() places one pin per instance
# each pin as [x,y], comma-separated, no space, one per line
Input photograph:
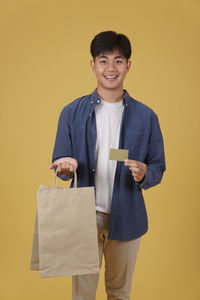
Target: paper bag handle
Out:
[75,179]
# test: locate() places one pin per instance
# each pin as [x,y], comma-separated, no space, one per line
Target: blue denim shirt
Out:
[140,133]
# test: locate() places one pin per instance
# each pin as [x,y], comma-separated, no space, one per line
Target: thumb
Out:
[52,166]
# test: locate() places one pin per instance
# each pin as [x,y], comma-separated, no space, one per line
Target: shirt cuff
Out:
[142,182]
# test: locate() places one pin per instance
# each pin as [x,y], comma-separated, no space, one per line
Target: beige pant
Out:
[120,258]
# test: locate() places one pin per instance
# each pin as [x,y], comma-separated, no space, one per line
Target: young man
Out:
[88,128]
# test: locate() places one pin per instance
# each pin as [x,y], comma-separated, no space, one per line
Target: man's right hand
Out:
[65,165]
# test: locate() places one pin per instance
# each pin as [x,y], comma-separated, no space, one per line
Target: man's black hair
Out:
[109,41]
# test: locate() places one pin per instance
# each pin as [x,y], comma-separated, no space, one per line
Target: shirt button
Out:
[98,101]
[92,101]
[93,170]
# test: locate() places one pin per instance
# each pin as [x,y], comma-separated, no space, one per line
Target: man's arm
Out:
[62,159]
[150,172]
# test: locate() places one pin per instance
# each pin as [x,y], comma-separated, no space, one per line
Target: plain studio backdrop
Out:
[45,65]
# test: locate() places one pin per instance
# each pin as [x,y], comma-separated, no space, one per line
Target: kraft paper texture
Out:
[65,238]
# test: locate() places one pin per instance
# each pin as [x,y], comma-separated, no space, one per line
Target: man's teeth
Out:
[111,77]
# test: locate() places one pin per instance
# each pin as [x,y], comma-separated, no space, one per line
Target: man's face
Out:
[110,70]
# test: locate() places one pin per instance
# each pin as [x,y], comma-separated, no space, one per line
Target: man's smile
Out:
[110,77]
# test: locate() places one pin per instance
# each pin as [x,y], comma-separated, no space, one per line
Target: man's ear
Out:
[92,64]
[128,65]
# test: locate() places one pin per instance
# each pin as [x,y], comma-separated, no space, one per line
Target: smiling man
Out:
[88,128]
[110,71]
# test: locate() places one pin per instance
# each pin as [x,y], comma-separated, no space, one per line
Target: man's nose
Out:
[111,66]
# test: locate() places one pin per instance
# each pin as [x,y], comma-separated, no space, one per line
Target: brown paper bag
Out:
[65,237]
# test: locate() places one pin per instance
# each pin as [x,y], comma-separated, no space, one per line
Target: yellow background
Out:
[45,58]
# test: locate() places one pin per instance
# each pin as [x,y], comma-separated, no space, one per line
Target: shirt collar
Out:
[95,97]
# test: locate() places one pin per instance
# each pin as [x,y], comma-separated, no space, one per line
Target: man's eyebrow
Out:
[104,56]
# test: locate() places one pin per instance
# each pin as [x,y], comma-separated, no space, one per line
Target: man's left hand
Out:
[137,168]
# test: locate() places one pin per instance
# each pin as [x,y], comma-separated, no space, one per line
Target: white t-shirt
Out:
[108,121]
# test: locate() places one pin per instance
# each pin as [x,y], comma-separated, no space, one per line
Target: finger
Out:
[135,173]
[55,163]
[71,168]
[137,178]
[128,161]
[134,169]
[59,170]
[131,163]
[74,163]
[65,166]
[63,169]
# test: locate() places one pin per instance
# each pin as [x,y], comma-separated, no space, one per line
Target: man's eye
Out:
[102,61]
[119,61]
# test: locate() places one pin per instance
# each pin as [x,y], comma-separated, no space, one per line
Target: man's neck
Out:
[110,96]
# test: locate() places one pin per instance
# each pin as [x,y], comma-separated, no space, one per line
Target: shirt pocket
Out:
[135,142]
